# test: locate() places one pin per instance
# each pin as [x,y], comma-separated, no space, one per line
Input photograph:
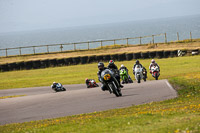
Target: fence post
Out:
[20,51]
[34,50]
[165,38]
[153,39]
[47,49]
[140,40]
[88,45]
[177,36]
[61,47]
[126,41]
[101,44]
[6,52]
[74,47]
[191,36]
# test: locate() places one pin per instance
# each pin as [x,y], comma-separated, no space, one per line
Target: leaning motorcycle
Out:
[139,73]
[111,82]
[155,72]
[58,87]
[92,83]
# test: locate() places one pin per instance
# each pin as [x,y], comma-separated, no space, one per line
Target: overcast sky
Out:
[23,15]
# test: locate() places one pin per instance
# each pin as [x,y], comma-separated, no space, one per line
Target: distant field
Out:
[170,67]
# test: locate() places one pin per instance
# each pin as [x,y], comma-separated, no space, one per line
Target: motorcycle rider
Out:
[153,63]
[112,66]
[54,85]
[101,68]
[123,67]
[87,81]
[137,62]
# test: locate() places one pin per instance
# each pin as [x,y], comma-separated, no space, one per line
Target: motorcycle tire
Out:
[156,76]
[115,91]
[64,89]
[138,79]
[120,93]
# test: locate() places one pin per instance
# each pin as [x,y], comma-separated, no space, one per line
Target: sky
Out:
[27,15]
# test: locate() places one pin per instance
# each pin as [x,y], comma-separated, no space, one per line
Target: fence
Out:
[77,46]
[83,45]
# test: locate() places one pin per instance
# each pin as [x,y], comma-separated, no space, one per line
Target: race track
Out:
[43,102]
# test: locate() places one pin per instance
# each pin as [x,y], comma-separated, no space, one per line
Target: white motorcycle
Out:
[155,72]
[139,73]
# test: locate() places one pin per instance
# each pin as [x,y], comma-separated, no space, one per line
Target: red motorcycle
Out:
[155,72]
[91,83]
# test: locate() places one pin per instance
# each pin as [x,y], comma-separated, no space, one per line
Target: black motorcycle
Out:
[111,82]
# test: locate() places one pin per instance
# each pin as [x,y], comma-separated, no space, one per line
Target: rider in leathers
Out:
[153,63]
[137,62]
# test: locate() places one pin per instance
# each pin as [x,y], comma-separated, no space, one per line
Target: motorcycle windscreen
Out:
[104,72]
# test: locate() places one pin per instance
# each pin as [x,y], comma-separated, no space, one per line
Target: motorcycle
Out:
[139,73]
[111,82]
[125,77]
[91,83]
[58,87]
[144,75]
[155,72]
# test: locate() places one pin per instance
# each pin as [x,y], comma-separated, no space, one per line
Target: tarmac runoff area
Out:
[43,103]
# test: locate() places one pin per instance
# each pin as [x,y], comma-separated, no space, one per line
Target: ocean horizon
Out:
[183,25]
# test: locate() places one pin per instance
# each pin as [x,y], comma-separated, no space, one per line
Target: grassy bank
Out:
[184,44]
[181,114]
[170,67]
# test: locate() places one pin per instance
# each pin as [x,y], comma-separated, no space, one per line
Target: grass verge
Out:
[170,67]
[181,114]
[4,97]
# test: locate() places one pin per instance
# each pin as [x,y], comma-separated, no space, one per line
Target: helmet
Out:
[100,65]
[54,82]
[86,79]
[137,62]
[152,61]
[111,62]
[122,65]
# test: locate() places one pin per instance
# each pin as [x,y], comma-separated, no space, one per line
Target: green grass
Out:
[181,114]
[170,67]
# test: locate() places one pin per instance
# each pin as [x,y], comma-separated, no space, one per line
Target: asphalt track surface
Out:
[43,103]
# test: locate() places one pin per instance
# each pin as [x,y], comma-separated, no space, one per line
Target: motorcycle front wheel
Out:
[115,91]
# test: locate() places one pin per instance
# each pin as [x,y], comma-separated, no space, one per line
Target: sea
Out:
[183,25]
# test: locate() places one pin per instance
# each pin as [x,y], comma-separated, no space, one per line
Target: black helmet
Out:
[111,62]
[137,62]
[100,65]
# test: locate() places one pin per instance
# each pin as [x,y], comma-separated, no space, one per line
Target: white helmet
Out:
[122,65]
[152,61]
[54,82]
